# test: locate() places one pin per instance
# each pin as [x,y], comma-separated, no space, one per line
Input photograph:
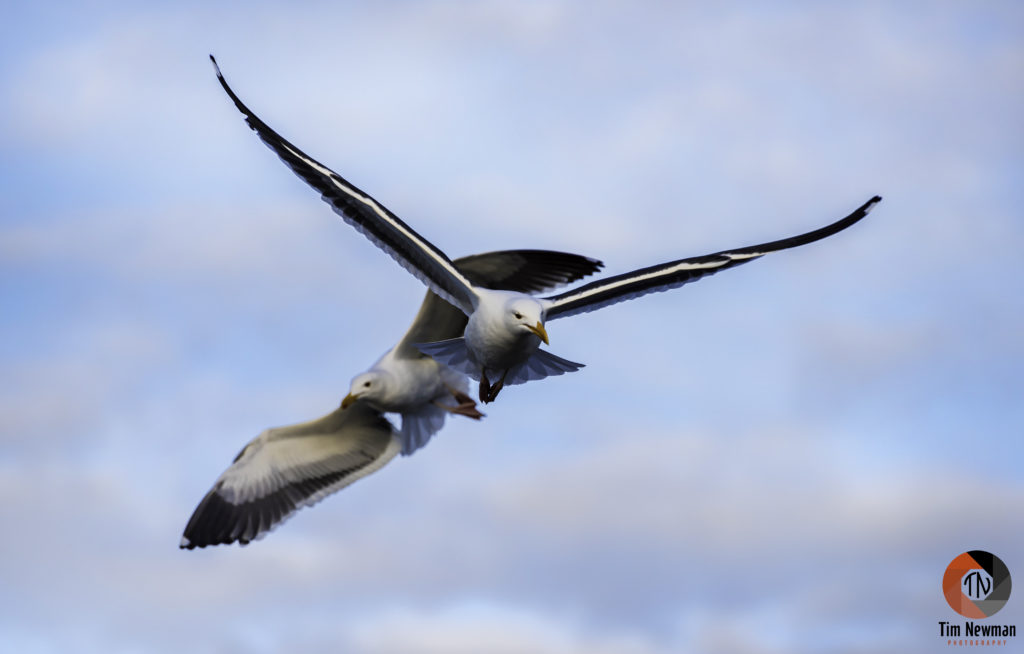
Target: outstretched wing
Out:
[287,468]
[373,220]
[605,292]
[526,271]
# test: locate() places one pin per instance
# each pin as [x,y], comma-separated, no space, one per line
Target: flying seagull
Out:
[504,329]
[408,382]
[287,468]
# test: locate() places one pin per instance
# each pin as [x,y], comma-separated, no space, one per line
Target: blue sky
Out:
[781,458]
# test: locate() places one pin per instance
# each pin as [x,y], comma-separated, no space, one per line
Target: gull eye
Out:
[366,384]
[518,315]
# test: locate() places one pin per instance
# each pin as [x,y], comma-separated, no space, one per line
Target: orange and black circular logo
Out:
[976,584]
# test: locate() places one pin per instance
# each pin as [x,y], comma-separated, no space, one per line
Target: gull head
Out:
[370,385]
[525,314]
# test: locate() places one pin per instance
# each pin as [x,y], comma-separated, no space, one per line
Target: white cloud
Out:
[710,493]
[49,404]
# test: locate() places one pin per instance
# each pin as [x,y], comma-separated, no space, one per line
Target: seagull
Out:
[504,329]
[287,468]
[407,381]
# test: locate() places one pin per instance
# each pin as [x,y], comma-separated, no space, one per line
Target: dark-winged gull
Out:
[505,329]
[287,468]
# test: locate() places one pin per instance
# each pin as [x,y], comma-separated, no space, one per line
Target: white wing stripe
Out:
[397,226]
[414,253]
[628,281]
[674,274]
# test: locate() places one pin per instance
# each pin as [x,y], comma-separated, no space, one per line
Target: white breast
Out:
[489,337]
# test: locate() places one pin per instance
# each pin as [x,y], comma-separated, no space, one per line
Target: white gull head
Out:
[524,314]
[372,386]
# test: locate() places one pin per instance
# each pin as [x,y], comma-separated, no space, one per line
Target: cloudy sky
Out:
[781,458]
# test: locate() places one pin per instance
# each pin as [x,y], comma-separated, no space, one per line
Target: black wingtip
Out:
[216,68]
[254,122]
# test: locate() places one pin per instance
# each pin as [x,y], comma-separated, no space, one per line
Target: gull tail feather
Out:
[419,427]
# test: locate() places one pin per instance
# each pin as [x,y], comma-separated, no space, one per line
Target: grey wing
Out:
[526,271]
[611,290]
[436,321]
[287,468]
[383,228]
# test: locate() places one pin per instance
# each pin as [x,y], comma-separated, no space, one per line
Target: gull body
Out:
[420,389]
[404,385]
[505,329]
[494,341]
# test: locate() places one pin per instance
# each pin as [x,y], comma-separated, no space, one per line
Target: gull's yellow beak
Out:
[349,400]
[541,333]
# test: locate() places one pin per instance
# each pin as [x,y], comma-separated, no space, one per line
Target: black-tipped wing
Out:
[373,220]
[287,468]
[619,288]
[526,271]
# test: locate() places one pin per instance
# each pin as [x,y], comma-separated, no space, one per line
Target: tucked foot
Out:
[492,391]
[462,398]
[459,396]
[485,387]
[467,408]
